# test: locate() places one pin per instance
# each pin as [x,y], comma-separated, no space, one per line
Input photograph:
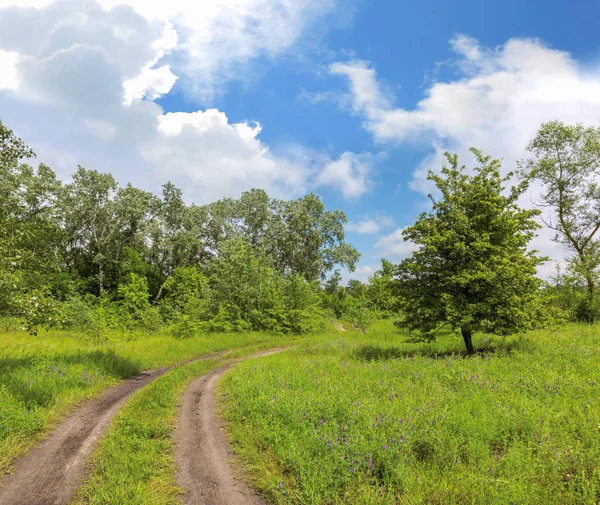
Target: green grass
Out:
[368,419]
[134,463]
[42,378]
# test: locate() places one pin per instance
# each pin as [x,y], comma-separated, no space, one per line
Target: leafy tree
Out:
[135,304]
[471,269]
[334,294]
[307,239]
[30,237]
[101,252]
[566,160]
[380,290]
[91,224]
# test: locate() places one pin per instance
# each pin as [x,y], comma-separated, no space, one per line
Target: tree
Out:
[471,269]
[91,223]
[566,160]
[30,237]
[380,291]
[305,238]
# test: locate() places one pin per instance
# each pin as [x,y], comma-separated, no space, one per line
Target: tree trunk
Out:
[590,286]
[160,290]
[468,338]
[100,279]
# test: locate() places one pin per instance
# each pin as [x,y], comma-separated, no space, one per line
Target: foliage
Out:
[360,315]
[37,309]
[135,306]
[256,259]
[471,269]
[29,232]
[566,160]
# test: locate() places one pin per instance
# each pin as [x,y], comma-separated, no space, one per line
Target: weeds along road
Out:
[50,473]
[202,451]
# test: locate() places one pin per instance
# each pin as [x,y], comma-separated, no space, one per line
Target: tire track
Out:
[51,472]
[202,451]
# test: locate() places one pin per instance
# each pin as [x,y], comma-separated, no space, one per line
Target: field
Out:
[371,419]
[42,378]
[338,418]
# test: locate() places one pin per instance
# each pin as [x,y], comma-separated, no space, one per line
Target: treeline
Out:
[92,255]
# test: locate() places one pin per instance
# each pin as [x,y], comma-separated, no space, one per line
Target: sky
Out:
[354,100]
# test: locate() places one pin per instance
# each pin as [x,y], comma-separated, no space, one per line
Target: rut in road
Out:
[50,473]
[202,450]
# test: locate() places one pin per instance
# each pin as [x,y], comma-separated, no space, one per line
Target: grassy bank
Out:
[42,378]
[371,420]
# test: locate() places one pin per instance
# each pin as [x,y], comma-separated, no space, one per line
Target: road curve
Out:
[202,451]
[51,472]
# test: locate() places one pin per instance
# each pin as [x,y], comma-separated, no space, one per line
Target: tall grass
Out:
[372,420]
[42,378]
[134,463]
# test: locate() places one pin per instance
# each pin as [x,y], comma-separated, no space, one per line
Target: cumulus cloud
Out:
[350,173]
[370,225]
[215,38]
[78,79]
[496,103]
[362,274]
[393,246]
[9,78]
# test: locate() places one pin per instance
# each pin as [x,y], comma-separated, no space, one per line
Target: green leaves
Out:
[566,160]
[471,268]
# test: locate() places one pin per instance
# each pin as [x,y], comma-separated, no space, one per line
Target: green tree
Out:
[307,239]
[30,237]
[91,223]
[566,160]
[471,269]
[380,290]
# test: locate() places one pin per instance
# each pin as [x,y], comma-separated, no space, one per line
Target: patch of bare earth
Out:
[202,451]
[51,472]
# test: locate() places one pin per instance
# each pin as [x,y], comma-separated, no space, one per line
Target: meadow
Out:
[42,378]
[134,463]
[374,419]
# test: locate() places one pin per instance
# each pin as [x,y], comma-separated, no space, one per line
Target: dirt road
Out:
[50,473]
[202,451]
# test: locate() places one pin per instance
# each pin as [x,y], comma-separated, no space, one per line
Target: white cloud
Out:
[94,68]
[362,274]
[393,246]
[497,103]
[9,78]
[370,225]
[350,173]
[217,39]
[221,158]
[151,83]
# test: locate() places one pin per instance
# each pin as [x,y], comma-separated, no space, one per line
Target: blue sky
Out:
[354,100]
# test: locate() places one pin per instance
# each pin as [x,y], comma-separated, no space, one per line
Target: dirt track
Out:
[202,451]
[50,473]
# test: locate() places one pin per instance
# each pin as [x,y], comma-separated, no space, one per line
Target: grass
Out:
[134,463]
[369,419]
[42,378]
